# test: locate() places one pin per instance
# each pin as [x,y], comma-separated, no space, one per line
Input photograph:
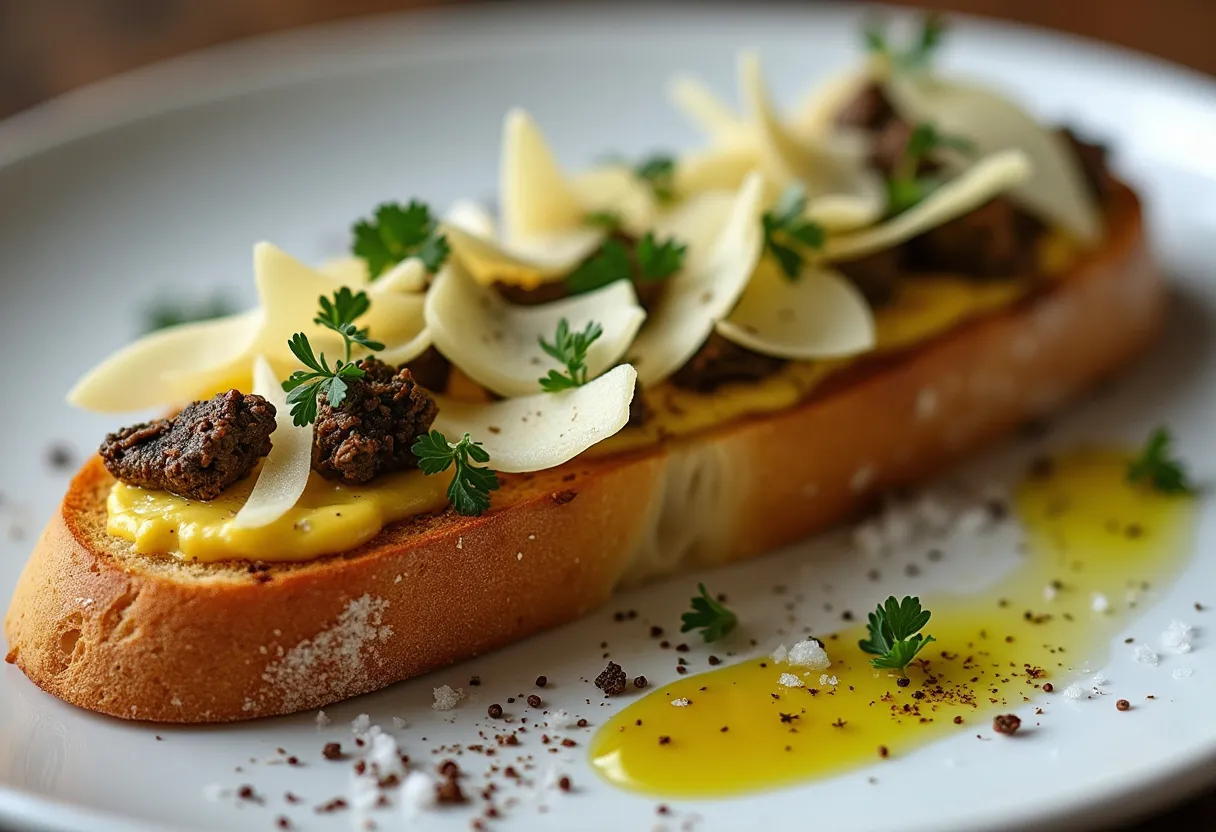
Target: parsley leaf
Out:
[168,312]
[709,616]
[396,233]
[905,188]
[657,261]
[609,264]
[470,489]
[610,221]
[658,171]
[1155,468]
[895,633]
[787,234]
[569,348]
[304,386]
[919,54]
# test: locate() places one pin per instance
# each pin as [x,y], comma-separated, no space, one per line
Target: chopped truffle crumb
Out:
[611,680]
[1123,705]
[495,711]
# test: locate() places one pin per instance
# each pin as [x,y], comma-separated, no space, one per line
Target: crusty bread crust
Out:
[156,639]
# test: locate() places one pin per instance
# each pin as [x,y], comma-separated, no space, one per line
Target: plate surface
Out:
[159,182]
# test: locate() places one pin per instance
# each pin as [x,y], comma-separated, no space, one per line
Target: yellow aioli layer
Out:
[1089,532]
[329,518]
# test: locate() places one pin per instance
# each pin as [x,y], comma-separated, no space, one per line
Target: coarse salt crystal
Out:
[1099,603]
[809,654]
[418,792]
[446,697]
[868,539]
[682,702]
[399,723]
[1146,655]
[1178,636]
[1183,672]
[971,521]
[323,719]
[780,654]
[561,719]
[360,724]
[825,680]
[1098,679]
[1073,691]
[789,680]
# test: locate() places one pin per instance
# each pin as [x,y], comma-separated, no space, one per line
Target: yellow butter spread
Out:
[329,518]
[332,518]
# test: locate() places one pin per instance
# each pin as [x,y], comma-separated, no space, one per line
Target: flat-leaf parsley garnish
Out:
[304,386]
[569,348]
[918,54]
[395,233]
[709,616]
[1157,469]
[653,259]
[658,171]
[787,233]
[895,637]
[906,187]
[472,483]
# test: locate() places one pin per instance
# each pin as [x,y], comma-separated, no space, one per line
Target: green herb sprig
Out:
[918,54]
[569,348]
[469,492]
[305,386]
[787,234]
[906,187]
[1156,468]
[895,637]
[395,233]
[654,259]
[708,615]
[658,171]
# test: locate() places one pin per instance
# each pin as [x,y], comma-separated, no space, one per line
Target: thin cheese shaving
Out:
[615,190]
[533,433]
[285,472]
[170,367]
[192,361]
[497,344]
[961,195]
[543,233]
[706,290]
[706,110]
[842,194]
[819,315]
[1055,190]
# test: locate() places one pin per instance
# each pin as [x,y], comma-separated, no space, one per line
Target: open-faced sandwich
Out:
[479,426]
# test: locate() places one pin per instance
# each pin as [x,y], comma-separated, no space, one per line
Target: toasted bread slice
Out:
[158,639]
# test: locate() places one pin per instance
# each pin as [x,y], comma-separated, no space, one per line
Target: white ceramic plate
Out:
[161,180]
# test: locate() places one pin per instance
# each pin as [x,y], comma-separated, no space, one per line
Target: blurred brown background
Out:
[50,46]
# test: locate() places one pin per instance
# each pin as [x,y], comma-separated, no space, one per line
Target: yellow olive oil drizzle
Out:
[1090,535]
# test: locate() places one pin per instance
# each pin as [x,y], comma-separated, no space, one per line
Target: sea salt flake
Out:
[1146,655]
[809,654]
[1050,592]
[323,719]
[682,702]
[780,654]
[418,793]
[399,723]
[446,697]
[1183,672]
[789,680]
[560,719]
[1098,679]
[825,680]
[360,724]
[1073,691]
[1099,603]
[1177,636]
